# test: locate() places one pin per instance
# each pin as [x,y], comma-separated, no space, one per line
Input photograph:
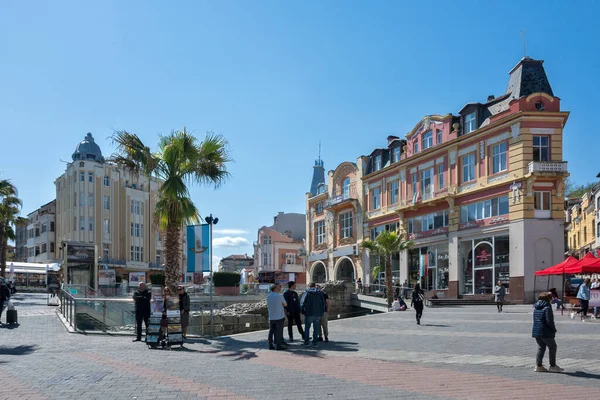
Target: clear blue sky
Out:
[274,77]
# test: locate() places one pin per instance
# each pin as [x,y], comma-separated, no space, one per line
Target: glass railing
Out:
[97,313]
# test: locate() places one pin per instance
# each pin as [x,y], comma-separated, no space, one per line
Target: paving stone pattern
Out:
[457,353]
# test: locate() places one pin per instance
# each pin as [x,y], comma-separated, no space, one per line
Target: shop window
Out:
[484,262]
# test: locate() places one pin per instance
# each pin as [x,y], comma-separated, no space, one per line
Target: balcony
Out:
[111,261]
[559,167]
[337,200]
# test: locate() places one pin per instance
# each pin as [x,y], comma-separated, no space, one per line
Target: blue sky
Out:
[274,77]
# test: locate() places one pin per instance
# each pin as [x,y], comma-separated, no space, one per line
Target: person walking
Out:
[499,293]
[184,309]
[293,310]
[4,295]
[324,321]
[141,297]
[313,307]
[544,332]
[405,289]
[417,302]
[276,305]
[583,294]
[360,285]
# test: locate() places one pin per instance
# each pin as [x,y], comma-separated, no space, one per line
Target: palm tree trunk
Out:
[172,257]
[3,248]
[388,279]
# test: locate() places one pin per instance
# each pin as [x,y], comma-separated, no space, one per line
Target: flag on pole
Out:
[198,248]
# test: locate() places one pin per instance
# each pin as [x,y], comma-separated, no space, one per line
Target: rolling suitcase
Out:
[11,317]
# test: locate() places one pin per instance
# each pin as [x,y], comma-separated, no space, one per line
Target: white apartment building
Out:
[41,240]
[100,202]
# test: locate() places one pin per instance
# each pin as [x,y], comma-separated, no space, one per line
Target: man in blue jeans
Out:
[313,308]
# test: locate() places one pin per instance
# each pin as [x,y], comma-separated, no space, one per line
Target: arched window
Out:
[346,188]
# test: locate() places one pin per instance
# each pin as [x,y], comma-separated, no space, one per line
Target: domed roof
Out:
[88,150]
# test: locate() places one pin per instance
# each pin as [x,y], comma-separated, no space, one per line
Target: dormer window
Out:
[415,147]
[377,163]
[427,140]
[439,137]
[470,122]
[395,154]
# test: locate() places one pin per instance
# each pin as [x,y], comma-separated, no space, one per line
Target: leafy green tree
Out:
[10,208]
[181,160]
[386,244]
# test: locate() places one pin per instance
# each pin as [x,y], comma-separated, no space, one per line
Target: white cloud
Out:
[229,231]
[230,241]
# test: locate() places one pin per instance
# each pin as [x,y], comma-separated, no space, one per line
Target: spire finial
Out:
[319,152]
[524,44]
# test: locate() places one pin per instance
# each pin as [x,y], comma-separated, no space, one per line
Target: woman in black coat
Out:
[418,298]
[544,332]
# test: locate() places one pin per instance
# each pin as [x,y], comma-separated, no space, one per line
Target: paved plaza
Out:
[457,353]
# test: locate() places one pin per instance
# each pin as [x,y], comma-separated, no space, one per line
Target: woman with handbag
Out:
[417,301]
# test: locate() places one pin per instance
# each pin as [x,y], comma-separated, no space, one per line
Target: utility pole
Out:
[211,221]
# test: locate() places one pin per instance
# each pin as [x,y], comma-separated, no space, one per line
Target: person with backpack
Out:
[4,295]
[417,302]
[313,308]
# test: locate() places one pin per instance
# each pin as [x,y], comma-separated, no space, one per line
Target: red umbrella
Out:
[559,268]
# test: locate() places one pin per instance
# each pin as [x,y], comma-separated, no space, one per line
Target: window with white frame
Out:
[106,202]
[137,207]
[427,183]
[81,199]
[106,181]
[82,223]
[499,158]
[428,222]
[394,192]
[346,188]
[90,177]
[378,163]
[440,176]
[395,154]
[137,253]
[105,226]
[468,165]
[484,209]
[90,199]
[414,183]
[376,198]
[415,147]
[439,137]
[542,200]
[346,225]
[541,148]
[470,122]
[320,232]
[290,258]
[427,140]
[137,230]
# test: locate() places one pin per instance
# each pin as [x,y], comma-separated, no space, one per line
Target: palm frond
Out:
[132,153]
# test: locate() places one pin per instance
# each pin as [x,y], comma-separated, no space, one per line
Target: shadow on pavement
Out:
[581,374]
[12,326]
[437,326]
[17,351]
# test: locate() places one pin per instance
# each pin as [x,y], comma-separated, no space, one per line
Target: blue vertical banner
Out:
[198,248]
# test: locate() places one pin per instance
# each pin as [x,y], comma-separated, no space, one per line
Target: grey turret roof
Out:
[88,150]
[318,177]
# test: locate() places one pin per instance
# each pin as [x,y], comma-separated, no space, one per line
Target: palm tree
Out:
[385,244]
[181,160]
[10,207]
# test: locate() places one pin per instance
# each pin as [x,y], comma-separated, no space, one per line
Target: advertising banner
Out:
[198,248]
[107,277]
[136,277]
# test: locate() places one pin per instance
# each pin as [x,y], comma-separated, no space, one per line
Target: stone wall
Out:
[248,317]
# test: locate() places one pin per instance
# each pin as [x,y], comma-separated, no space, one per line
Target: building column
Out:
[403,266]
[454,274]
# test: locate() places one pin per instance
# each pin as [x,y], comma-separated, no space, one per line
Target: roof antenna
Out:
[524,44]
[319,152]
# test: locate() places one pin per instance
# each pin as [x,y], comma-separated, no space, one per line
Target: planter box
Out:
[227,291]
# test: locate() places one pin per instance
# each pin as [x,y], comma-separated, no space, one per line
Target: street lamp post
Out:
[211,221]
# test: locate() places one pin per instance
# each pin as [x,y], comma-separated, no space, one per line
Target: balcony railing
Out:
[546,166]
[337,199]
[111,261]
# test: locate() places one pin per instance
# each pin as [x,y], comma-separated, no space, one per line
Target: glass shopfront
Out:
[431,264]
[484,262]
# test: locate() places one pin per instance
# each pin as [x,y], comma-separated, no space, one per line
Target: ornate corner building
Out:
[479,193]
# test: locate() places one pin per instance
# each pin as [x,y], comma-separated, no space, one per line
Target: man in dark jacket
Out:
[4,294]
[313,308]
[544,332]
[141,297]
[293,310]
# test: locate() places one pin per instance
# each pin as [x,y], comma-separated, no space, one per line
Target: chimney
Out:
[390,139]
[491,97]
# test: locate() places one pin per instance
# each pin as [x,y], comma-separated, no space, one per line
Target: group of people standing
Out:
[314,305]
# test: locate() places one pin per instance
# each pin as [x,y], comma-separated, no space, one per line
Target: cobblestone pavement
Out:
[457,353]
